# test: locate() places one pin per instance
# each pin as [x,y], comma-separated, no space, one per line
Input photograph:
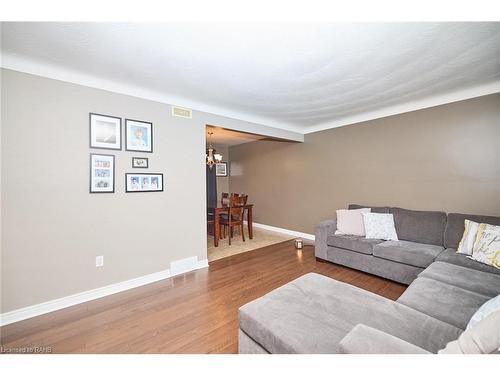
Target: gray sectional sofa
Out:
[424,237]
[316,314]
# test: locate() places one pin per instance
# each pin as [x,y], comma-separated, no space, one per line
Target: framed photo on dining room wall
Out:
[143,182]
[138,136]
[105,131]
[102,173]
[221,169]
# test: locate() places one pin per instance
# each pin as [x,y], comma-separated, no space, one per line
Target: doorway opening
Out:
[231,208]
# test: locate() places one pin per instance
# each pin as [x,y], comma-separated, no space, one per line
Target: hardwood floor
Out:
[191,313]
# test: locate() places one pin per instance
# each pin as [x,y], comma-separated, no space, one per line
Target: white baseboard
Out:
[202,264]
[176,268]
[307,236]
[187,264]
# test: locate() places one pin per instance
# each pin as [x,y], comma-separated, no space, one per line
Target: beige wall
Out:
[442,158]
[52,228]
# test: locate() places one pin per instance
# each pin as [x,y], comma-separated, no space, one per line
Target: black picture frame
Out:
[218,173]
[127,146]
[92,141]
[92,175]
[127,190]
[138,158]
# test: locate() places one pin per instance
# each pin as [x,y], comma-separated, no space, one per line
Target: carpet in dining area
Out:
[261,238]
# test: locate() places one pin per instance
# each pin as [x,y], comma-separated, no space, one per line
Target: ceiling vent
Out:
[181,112]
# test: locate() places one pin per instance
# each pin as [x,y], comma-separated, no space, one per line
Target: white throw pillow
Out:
[469,237]
[380,226]
[487,308]
[483,338]
[351,221]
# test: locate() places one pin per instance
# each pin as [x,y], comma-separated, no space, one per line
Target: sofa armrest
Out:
[367,340]
[323,230]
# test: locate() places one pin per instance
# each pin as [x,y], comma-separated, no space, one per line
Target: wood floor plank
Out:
[192,313]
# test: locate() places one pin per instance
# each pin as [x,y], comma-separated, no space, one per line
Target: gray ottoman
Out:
[313,313]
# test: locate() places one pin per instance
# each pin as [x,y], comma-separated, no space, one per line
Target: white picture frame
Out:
[138,136]
[221,169]
[105,132]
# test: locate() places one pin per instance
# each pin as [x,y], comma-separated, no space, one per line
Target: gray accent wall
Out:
[441,158]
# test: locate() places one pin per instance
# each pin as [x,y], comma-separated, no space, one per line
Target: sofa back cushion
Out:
[455,227]
[378,210]
[420,226]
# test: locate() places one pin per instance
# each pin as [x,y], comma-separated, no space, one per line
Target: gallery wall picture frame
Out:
[102,173]
[143,182]
[221,169]
[105,132]
[140,162]
[138,136]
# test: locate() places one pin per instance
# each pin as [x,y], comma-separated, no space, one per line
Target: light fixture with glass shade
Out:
[211,155]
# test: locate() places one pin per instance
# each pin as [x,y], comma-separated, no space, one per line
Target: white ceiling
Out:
[301,77]
[228,137]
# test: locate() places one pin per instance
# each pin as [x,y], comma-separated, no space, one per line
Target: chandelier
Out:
[211,156]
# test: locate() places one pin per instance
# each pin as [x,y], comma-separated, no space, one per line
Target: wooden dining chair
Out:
[224,200]
[243,200]
[234,218]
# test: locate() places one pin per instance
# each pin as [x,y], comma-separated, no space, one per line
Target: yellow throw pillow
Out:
[467,243]
[487,245]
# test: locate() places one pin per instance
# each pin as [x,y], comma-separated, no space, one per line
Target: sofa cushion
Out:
[466,278]
[367,340]
[378,210]
[402,273]
[455,227]
[451,256]
[412,253]
[442,301]
[313,313]
[354,243]
[420,226]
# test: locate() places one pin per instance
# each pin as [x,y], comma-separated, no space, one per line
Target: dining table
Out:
[220,209]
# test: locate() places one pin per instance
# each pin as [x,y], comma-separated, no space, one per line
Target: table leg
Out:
[250,222]
[216,228]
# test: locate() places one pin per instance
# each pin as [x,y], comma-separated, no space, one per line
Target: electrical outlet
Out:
[99,261]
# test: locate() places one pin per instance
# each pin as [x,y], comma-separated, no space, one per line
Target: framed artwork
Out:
[139,162]
[105,131]
[138,135]
[143,182]
[102,173]
[221,169]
